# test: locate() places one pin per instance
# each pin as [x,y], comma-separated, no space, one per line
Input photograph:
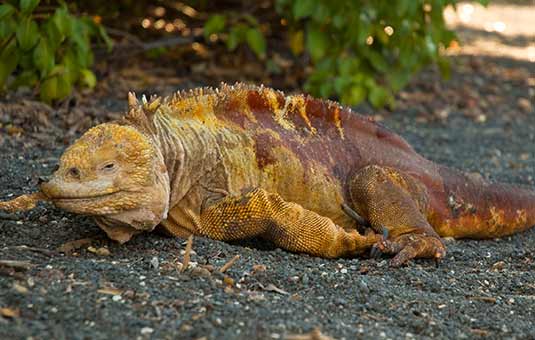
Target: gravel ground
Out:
[104,290]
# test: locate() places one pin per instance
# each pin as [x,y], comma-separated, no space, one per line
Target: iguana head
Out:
[115,173]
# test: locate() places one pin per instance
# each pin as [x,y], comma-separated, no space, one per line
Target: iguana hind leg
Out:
[288,225]
[388,198]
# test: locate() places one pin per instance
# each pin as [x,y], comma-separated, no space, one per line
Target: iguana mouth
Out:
[57,190]
[80,198]
[107,203]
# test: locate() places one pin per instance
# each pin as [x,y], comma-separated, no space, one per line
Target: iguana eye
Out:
[74,172]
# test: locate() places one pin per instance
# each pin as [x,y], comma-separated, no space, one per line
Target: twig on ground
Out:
[483,298]
[44,251]
[229,264]
[128,36]
[185,261]
[131,49]
[16,264]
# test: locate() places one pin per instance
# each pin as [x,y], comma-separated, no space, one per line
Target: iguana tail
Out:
[467,206]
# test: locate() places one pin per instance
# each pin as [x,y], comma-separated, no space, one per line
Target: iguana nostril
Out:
[74,172]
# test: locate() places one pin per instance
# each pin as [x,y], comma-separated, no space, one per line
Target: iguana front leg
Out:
[288,225]
[390,199]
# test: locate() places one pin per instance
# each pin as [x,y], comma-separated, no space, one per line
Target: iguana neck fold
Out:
[189,150]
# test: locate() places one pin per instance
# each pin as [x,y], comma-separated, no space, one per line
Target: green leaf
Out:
[63,21]
[377,96]
[26,78]
[214,24]
[303,8]
[326,89]
[6,10]
[317,42]
[9,58]
[7,28]
[444,67]
[398,79]
[72,69]
[256,41]
[57,86]
[236,36]
[105,37]
[49,89]
[354,95]
[88,78]
[64,86]
[27,6]
[27,34]
[43,57]
[53,34]
[341,83]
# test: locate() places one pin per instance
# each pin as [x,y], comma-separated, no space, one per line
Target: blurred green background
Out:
[347,50]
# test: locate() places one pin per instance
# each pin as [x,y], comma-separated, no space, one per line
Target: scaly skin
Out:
[243,161]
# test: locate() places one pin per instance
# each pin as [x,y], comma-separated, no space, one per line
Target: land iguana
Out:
[242,161]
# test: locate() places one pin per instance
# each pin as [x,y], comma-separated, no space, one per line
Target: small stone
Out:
[155,263]
[186,328]
[341,301]
[524,104]
[498,266]
[116,298]
[304,280]
[20,288]
[363,287]
[293,278]
[481,118]
[146,330]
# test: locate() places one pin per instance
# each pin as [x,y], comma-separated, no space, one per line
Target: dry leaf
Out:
[10,312]
[71,246]
[103,252]
[110,291]
[228,281]
[272,288]
[16,264]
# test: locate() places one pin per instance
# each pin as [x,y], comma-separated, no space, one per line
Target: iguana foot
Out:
[395,204]
[410,246]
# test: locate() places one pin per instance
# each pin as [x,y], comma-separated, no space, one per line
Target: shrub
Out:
[47,49]
[357,49]
[361,49]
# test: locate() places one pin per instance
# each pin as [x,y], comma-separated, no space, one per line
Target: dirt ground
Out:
[481,120]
